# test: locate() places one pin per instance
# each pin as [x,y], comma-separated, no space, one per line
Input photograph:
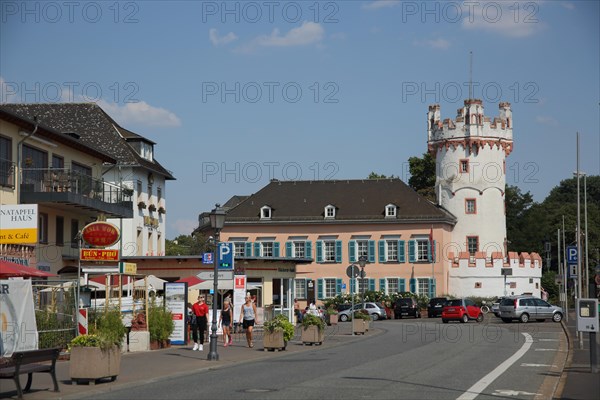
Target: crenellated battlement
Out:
[470,127]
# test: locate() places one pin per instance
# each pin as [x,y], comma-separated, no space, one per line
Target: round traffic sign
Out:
[353,271]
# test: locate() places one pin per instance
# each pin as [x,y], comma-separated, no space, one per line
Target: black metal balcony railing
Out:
[7,173]
[49,180]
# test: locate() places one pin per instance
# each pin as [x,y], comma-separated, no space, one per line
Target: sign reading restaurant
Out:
[99,255]
[18,224]
[100,234]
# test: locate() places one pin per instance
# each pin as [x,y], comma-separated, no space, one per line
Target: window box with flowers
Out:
[161,210]
[151,207]
[141,204]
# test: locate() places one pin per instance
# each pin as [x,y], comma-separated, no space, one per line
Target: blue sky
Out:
[235,93]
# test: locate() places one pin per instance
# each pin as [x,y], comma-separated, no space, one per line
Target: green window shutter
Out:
[319,251]
[372,284]
[275,249]
[352,251]
[401,251]
[412,256]
[401,285]
[434,250]
[371,251]
[431,288]
[352,285]
[338,286]
[338,251]
[382,284]
[429,250]
[308,249]
[248,249]
[382,257]
[256,249]
[288,249]
[413,285]
[320,288]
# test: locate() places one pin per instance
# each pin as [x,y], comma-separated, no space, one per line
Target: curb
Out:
[560,386]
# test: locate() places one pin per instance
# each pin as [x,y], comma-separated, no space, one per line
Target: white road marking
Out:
[484,382]
[510,392]
[545,349]
[536,365]
[549,340]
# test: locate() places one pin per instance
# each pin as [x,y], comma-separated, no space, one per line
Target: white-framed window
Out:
[362,248]
[300,288]
[265,212]
[363,284]
[329,251]
[422,249]
[390,211]
[423,286]
[266,249]
[240,249]
[392,285]
[329,211]
[472,244]
[329,287]
[391,250]
[299,249]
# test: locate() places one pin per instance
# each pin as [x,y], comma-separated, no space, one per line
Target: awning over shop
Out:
[9,269]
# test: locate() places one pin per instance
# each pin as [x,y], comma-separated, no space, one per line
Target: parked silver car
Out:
[376,311]
[524,308]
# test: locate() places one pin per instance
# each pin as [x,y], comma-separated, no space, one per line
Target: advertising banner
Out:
[18,329]
[239,295]
[176,302]
[99,255]
[18,224]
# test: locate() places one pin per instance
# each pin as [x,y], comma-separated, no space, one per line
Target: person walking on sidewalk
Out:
[248,316]
[200,310]
[225,322]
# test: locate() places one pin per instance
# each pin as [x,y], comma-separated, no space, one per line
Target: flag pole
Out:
[432,261]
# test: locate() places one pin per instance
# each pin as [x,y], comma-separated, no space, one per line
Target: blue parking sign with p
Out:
[571,254]
[226,255]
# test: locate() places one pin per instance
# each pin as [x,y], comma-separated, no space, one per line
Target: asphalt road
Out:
[411,359]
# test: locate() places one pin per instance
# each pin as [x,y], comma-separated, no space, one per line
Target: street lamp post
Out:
[217,220]
[362,262]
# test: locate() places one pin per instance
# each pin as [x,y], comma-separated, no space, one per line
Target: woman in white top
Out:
[248,317]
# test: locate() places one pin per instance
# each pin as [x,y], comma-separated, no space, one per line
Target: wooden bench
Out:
[29,362]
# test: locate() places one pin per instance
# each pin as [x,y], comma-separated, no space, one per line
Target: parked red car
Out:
[461,310]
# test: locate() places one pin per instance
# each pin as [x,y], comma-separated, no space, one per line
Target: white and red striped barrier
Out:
[82,321]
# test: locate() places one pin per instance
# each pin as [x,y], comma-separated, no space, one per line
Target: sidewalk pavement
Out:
[140,368]
[577,381]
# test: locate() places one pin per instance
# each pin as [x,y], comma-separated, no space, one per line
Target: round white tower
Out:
[470,153]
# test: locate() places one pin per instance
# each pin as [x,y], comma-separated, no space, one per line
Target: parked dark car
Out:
[435,306]
[406,307]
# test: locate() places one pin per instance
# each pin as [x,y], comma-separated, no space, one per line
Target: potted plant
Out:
[152,207]
[98,354]
[127,192]
[161,210]
[332,315]
[160,326]
[141,204]
[360,321]
[313,329]
[278,332]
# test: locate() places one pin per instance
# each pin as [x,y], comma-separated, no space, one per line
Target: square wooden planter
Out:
[359,326]
[332,319]
[274,341]
[92,363]
[312,334]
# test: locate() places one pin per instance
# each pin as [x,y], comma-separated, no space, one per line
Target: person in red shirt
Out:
[200,310]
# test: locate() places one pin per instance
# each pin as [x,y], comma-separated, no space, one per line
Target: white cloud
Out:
[306,34]
[184,226]
[503,19]
[217,40]
[377,4]
[140,113]
[438,43]
[545,120]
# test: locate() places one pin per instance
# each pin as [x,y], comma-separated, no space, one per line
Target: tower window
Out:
[464,166]
[472,245]
[265,212]
[390,211]
[470,206]
[330,211]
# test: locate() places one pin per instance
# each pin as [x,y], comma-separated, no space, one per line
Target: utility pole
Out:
[579,335]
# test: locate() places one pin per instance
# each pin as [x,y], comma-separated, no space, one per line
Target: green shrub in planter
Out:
[362,314]
[312,320]
[281,323]
[160,322]
[107,330]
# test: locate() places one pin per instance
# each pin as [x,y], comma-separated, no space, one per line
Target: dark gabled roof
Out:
[234,201]
[52,134]
[355,200]
[95,128]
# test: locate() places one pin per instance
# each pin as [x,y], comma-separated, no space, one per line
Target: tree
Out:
[186,245]
[422,175]
[374,175]
[517,206]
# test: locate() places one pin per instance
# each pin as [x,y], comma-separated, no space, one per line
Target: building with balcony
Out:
[63,176]
[135,168]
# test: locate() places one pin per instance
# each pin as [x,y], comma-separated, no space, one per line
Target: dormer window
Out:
[390,211]
[330,211]
[144,149]
[265,212]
